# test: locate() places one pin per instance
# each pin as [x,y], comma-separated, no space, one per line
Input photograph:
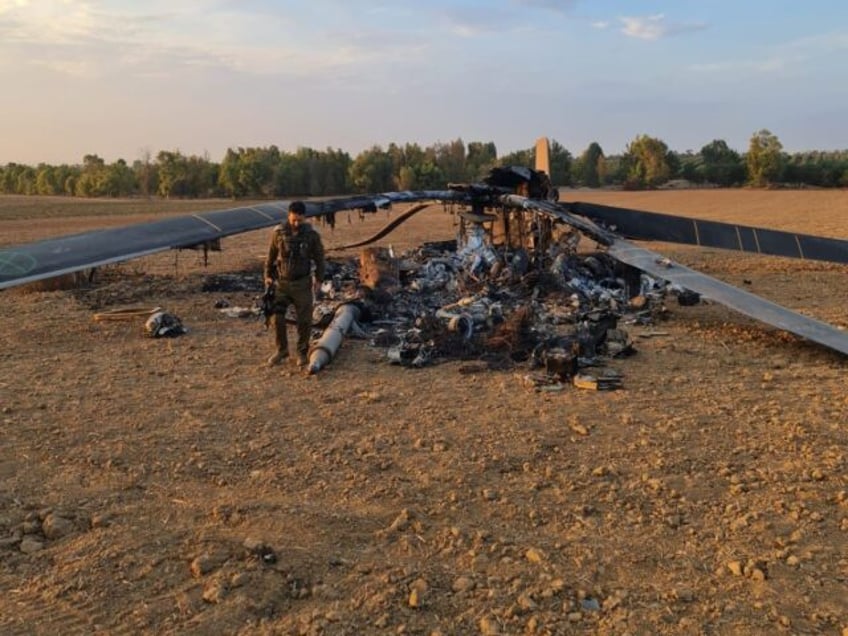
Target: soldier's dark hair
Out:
[297,207]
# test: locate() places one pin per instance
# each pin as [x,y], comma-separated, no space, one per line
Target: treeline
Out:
[272,173]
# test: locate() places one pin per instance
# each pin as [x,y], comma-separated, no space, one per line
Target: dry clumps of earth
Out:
[177,485]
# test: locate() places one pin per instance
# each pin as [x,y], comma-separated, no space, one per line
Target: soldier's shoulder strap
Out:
[309,231]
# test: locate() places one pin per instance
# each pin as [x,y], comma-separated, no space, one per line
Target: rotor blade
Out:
[653,226]
[370,202]
[31,262]
[54,257]
[730,296]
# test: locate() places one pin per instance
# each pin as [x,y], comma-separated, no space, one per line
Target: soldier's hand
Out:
[268,281]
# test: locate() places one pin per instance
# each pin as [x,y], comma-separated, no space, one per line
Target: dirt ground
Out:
[152,486]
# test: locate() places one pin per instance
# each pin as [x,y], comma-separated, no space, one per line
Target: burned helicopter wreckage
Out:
[515,287]
[437,303]
[512,289]
[513,227]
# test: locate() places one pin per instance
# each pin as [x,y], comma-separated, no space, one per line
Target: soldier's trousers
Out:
[297,293]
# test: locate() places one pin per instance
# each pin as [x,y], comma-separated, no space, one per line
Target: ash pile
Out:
[557,313]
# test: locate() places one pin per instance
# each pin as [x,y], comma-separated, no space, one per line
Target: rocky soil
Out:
[178,486]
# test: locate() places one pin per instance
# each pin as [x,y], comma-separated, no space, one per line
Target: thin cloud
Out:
[794,56]
[468,23]
[471,20]
[820,44]
[655,27]
[773,65]
[554,5]
[94,39]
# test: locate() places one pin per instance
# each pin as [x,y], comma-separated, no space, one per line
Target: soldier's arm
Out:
[271,258]
[318,257]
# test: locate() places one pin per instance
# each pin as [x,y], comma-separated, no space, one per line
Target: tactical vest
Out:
[294,253]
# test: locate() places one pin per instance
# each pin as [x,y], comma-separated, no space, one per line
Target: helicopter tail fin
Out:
[543,155]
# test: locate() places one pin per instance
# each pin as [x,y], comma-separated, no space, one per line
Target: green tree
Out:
[47,180]
[71,184]
[18,178]
[450,158]
[146,175]
[326,170]
[291,178]
[560,164]
[525,157]
[588,167]
[690,166]
[335,166]
[228,175]
[306,172]
[26,181]
[481,158]
[414,168]
[429,176]
[66,175]
[172,167]
[647,162]
[371,171]
[721,164]
[92,178]
[311,164]
[603,169]
[816,168]
[407,179]
[201,177]
[254,171]
[118,180]
[764,159]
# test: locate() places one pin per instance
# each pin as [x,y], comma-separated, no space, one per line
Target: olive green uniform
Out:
[290,258]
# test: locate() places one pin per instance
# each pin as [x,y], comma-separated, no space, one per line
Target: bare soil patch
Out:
[178,486]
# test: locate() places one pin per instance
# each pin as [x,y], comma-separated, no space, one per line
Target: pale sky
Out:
[120,78]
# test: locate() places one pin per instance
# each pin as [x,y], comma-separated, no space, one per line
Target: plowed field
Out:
[152,486]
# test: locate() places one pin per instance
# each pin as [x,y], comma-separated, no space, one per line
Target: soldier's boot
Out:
[302,359]
[281,340]
[277,358]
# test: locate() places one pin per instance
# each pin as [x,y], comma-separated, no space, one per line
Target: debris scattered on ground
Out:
[240,312]
[128,313]
[605,382]
[558,314]
[164,325]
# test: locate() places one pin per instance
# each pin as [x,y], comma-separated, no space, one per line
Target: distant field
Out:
[14,207]
[31,218]
[825,209]
[808,211]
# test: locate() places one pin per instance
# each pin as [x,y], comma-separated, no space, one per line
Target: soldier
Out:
[294,247]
